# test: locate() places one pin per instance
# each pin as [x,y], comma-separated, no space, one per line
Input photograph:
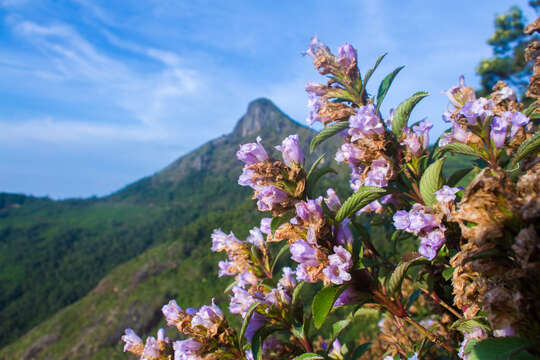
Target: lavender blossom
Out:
[332,200]
[246,178]
[303,275]
[507,93]
[208,316]
[365,122]
[419,221]
[506,332]
[477,109]
[309,211]
[347,55]
[255,237]
[186,349]
[379,174]
[422,129]
[518,120]
[315,89]
[288,279]
[401,220]
[341,257]
[265,225]
[412,142]
[356,177]
[459,95]
[246,278]
[304,253]
[241,301]
[161,336]
[459,134]
[347,297]
[133,342]
[171,311]
[256,322]
[222,241]
[446,194]
[314,47]
[291,151]
[446,139]
[499,127]
[336,274]
[226,268]
[252,153]
[344,235]
[268,196]
[314,104]
[335,353]
[374,206]
[151,349]
[430,244]
[349,153]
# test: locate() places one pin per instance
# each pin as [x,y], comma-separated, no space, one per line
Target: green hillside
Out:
[52,253]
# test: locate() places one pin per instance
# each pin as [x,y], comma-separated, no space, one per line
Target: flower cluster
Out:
[276,184]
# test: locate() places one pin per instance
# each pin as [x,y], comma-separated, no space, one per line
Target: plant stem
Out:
[441,302]
[432,337]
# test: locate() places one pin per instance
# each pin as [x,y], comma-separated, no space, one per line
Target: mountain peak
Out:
[261,113]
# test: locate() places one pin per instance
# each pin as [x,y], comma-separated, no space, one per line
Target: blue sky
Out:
[97,94]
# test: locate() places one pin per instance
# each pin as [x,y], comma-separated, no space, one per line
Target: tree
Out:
[508,42]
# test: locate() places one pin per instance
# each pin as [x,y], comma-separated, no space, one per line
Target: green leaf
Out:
[456,177]
[448,273]
[230,286]
[337,329]
[528,147]
[403,112]
[323,302]
[246,321]
[296,294]
[530,110]
[314,166]
[394,283]
[511,348]
[327,133]
[360,350]
[458,148]
[358,200]
[464,325]
[280,253]
[370,72]
[308,356]
[431,181]
[317,174]
[385,86]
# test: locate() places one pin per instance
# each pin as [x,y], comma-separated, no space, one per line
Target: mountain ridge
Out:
[75,243]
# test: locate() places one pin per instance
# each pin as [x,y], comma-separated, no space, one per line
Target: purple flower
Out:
[446,194]
[314,46]
[365,122]
[151,349]
[265,225]
[304,253]
[430,244]
[276,297]
[314,104]
[340,262]
[241,301]
[226,268]
[422,129]
[498,129]
[349,153]
[347,297]
[133,341]
[379,173]
[222,241]
[315,89]
[309,211]
[506,332]
[245,179]
[288,279]
[344,235]
[291,151]
[268,196]
[459,134]
[341,257]
[477,109]
[171,311]
[478,334]
[252,153]
[401,220]
[356,177]
[459,95]
[186,349]
[447,116]
[256,322]
[246,278]
[390,118]
[347,54]
[208,316]
[255,237]
[161,336]
[332,200]
[303,275]
[518,121]
[419,221]
[373,206]
[412,142]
